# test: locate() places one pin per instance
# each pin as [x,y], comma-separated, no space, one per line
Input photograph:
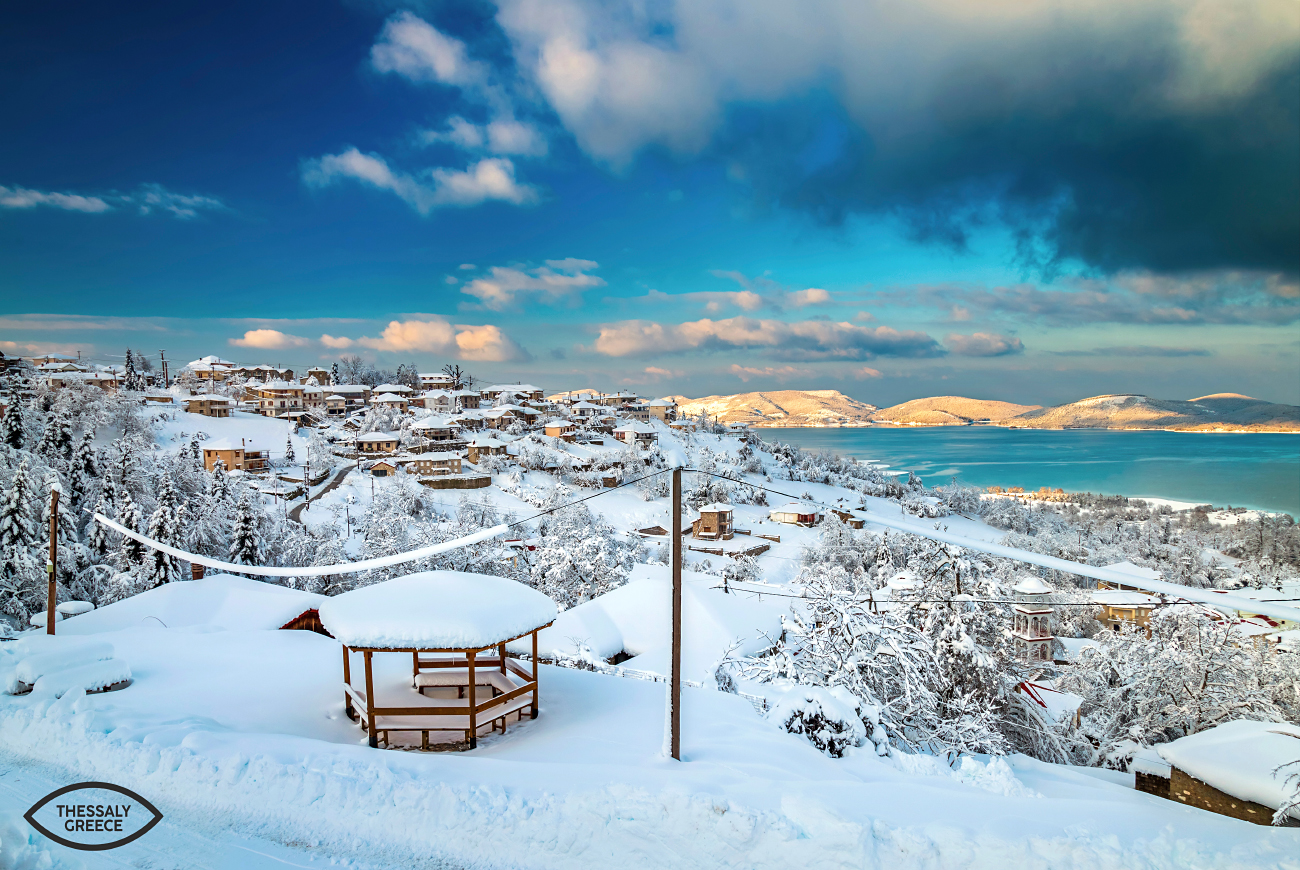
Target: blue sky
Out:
[1031,202]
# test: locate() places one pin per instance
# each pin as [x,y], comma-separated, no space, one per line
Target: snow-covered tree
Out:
[131,381]
[11,427]
[1193,673]
[22,583]
[578,556]
[83,469]
[131,553]
[56,440]
[288,450]
[165,526]
[245,540]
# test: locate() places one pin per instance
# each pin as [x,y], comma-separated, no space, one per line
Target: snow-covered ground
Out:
[239,737]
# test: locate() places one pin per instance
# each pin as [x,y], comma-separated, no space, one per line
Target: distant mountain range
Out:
[1230,412]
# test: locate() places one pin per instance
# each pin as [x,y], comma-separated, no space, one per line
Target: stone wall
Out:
[452,482]
[1195,793]
[1151,783]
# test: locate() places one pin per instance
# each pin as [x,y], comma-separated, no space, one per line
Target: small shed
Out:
[715,523]
[446,621]
[795,514]
[383,468]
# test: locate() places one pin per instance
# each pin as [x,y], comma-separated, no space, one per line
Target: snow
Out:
[1239,758]
[74,608]
[60,657]
[1121,598]
[91,677]
[217,602]
[1134,570]
[436,610]
[1032,586]
[1147,760]
[637,619]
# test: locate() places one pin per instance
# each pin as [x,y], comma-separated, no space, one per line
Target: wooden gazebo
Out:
[454,626]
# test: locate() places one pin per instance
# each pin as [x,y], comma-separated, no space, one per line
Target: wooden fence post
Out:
[675,714]
[53,565]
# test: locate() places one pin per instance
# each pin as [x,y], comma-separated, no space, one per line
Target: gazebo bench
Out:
[458,678]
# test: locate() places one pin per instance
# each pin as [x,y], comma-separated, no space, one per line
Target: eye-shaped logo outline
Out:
[30,816]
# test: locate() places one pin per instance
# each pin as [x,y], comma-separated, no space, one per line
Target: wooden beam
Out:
[675,672]
[347,681]
[370,700]
[473,721]
[533,715]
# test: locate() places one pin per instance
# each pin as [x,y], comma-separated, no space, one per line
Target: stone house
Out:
[377,442]
[239,457]
[208,404]
[714,523]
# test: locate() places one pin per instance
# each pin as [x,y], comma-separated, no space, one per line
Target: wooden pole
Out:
[675,714]
[53,565]
[370,703]
[347,681]
[534,711]
[473,718]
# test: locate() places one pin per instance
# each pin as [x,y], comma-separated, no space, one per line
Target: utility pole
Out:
[53,564]
[675,714]
[162,358]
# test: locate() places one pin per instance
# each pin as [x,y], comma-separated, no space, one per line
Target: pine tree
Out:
[20,576]
[288,450]
[218,484]
[334,375]
[131,553]
[165,527]
[11,427]
[245,547]
[83,469]
[98,535]
[130,380]
[56,440]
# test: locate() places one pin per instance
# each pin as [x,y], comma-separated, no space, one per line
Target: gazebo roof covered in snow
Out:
[436,610]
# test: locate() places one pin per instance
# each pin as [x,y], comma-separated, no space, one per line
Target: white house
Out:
[796,514]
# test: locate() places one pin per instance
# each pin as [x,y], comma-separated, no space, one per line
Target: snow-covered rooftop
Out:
[716,507]
[1135,571]
[377,437]
[1031,585]
[1123,598]
[387,399]
[436,610]
[1239,758]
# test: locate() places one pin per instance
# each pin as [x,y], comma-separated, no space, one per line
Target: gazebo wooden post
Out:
[347,680]
[370,703]
[473,719]
[535,666]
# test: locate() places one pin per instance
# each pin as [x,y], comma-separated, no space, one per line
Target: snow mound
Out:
[436,610]
[220,601]
[22,848]
[91,677]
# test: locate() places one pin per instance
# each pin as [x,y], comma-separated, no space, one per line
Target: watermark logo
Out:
[93,816]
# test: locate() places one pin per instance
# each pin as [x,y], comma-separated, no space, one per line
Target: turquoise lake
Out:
[1252,471]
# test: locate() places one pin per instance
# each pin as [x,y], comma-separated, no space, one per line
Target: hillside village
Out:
[814,635]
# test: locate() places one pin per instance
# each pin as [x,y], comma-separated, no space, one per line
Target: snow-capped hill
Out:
[781,408]
[950,411]
[1220,411]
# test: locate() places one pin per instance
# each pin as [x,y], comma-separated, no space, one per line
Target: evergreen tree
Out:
[131,553]
[130,379]
[245,547]
[218,484]
[56,440]
[334,375]
[21,582]
[11,427]
[288,450]
[98,535]
[83,469]
[165,527]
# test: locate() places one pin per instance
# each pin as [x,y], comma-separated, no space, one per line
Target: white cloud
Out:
[502,135]
[777,373]
[269,339]
[489,179]
[865,373]
[410,47]
[22,197]
[155,197]
[983,344]
[558,281]
[146,200]
[476,343]
[801,340]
